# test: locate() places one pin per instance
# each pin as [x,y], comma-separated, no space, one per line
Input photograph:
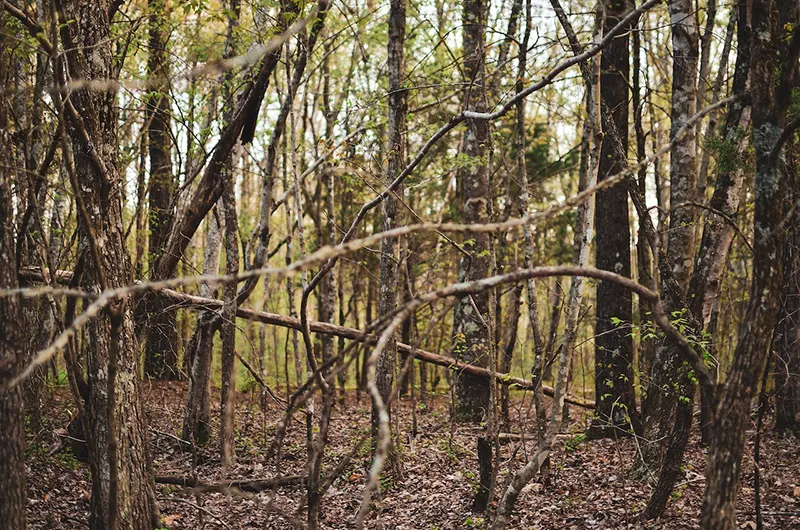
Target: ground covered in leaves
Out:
[591,486]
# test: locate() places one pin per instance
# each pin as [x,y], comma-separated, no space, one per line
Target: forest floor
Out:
[591,485]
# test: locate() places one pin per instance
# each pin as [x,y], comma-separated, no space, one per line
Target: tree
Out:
[775,49]
[616,400]
[390,248]
[161,355]
[116,427]
[787,333]
[471,319]
[12,435]
[664,410]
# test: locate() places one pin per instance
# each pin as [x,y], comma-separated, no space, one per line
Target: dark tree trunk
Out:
[161,353]
[471,337]
[12,433]
[209,188]
[787,333]
[390,247]
[616,400]
[773,75]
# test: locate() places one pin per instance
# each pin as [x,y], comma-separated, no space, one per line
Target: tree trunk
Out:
[614,393]
[537,370]
[123,495]
[787,334]
[196,418]
[161,353]
[228,330]
[661,409]
[390,247]
[590,152]
[773,74]
[717,231]
[471,337]
[12,435]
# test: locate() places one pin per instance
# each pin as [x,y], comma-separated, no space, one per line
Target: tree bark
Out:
[661,410]
[773,74]
[390,247]
[471,337]
[12,434]
[196,416]
[718,232]
[787,334]
[228,326]
[614,393]
[590,153]
[123,494]
[211,186]
[161,353]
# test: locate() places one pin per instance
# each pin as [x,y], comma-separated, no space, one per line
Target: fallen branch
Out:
[251,486]
[186,301]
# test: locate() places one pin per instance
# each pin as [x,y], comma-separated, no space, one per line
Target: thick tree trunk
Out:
[161,353]
[660,409]
[123,495]
[614,393]
[12,433]
[717,230]
[773,75]
[471,337]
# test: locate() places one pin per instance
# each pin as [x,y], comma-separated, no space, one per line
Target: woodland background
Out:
[407,264]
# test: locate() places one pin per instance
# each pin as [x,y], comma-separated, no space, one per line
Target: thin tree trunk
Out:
[228,330]
[471,336]
[583,237]
[196,419]
[525,209]
[390,247]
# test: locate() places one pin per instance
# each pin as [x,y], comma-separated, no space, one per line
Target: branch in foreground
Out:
[195,303]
